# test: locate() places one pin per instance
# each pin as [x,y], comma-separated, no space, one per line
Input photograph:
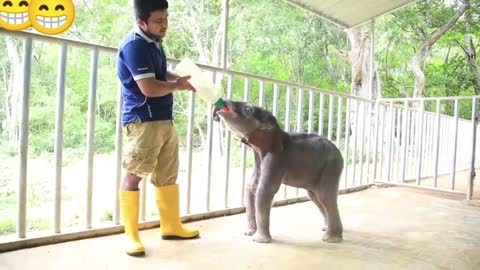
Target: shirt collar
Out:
[140,32]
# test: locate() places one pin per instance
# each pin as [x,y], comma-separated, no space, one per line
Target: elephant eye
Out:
[23,3]
[7,3]
[43,7]
[249,110]
[59,7]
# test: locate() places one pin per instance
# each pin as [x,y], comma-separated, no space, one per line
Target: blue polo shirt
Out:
[140,57]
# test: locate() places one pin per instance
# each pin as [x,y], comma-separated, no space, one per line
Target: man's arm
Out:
[171,76]
[142,69]
[151,87]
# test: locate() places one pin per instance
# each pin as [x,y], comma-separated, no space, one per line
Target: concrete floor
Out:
[385,228]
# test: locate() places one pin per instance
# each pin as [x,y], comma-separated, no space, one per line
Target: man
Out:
[152,144]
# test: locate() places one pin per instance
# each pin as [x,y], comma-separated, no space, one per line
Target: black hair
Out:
[144,7]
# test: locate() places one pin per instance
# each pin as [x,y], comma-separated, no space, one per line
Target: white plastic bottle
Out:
[199,80]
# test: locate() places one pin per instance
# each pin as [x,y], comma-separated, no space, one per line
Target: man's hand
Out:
[183,84]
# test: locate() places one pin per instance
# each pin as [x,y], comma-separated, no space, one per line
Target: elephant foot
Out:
[262,238]
[332,238]
[250,231]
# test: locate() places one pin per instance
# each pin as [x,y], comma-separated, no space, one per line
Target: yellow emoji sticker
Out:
[51,16]
[14,14]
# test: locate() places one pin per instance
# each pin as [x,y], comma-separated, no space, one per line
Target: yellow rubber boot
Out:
[168,206]
[129,201]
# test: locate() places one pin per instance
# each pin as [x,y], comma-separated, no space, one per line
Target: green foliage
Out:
[107,215]
[7,226]
[40,224]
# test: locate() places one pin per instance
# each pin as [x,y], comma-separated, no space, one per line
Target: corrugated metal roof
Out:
[350,13]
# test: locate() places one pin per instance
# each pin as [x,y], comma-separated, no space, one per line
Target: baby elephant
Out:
[299,160]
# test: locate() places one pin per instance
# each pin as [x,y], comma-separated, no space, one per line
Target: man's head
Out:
[152,17]
[245,118]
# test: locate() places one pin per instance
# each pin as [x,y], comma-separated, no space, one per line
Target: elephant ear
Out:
[268,139]
[268,121]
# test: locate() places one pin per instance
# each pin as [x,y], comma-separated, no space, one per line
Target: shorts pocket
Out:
[140,161]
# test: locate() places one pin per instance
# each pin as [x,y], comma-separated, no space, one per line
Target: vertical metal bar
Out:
[399,135]
[225,8]
[455,143]
[426,134]
[118,154]
[191,115]
[451,126]
[57,198]
[331,102]
[23,139]
[377,129]
[299,126]
[391,134]
[347,139]
[413,143]
[287,124]
[355,139]
[320,113]
[209,147]
[372,57]
[405,133]
[371,96]
[275,100]
[339,120]
[420,141]
[368,138]
[475,115]
[310,111]
[92,96]
[246,92]
[287,110]
[431,143]
[362,140]
[227,147]
[261,94]
[382,139]
[437,144]
[209,150]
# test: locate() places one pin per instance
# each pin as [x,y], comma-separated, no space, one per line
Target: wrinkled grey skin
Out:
[299,160]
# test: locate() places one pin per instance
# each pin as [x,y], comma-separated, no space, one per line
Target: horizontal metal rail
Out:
[410,99]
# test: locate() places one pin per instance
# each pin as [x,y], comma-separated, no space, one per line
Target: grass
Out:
[7,226]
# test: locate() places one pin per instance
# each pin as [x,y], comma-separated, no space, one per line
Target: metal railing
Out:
[427,148]
[370,144]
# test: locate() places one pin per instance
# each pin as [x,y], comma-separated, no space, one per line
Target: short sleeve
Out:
[135,56]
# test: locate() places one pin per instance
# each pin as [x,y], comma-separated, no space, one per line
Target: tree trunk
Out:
[418,59]
[472,62]
[359,59]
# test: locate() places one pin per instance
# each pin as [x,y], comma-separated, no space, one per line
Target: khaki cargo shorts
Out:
[152,148]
